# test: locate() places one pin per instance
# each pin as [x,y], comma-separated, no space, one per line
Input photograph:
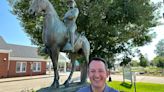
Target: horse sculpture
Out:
[55,37]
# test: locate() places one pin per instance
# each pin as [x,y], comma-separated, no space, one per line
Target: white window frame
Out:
[21,67]
[36,67]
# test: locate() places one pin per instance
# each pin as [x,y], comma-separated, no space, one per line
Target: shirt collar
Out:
[105,89]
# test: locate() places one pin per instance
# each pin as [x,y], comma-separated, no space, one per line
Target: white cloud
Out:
[149,49]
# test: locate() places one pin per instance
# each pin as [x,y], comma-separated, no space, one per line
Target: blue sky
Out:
[10,28]
[12,32]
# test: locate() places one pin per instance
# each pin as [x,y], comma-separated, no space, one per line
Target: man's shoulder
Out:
[109,89]
[84,89]
[87,89]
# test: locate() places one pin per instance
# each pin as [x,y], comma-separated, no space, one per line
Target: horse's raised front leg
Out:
[54,54]
[67,82]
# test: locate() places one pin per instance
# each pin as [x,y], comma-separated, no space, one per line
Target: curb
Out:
[30,78]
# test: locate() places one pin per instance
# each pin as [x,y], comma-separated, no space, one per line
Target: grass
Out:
[140,87]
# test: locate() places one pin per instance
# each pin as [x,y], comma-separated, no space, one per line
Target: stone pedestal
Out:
[72,88]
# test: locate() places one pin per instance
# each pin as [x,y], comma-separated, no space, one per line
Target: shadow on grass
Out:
[127,85]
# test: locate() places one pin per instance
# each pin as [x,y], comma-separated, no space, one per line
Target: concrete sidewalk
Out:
[24,78]
[30,77]
[149,79]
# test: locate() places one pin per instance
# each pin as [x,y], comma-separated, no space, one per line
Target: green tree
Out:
[158,61]
[111,26]
[143,61]
[134,63]
[125,61]
[160,48]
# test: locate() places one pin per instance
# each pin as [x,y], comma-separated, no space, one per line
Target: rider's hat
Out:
[70,1]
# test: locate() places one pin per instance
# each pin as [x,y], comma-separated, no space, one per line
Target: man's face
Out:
[97,74]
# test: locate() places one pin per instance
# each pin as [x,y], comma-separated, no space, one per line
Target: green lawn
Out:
[140,87]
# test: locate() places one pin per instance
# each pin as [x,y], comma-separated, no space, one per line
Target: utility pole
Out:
[163,10]
[134,78]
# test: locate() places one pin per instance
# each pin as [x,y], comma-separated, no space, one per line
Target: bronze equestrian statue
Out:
[55,37]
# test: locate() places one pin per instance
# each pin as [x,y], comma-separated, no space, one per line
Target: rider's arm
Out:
[71,14]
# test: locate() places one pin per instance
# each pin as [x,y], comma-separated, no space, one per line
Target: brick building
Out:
[17,60]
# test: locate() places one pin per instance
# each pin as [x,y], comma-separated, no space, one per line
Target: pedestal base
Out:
[72,88]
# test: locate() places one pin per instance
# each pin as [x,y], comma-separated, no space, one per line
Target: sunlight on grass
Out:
[140,87]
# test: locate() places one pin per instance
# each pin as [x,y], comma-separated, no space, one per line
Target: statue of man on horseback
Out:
[70,23]
[56,39]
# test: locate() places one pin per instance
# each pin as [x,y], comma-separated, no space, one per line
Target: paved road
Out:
[22,84]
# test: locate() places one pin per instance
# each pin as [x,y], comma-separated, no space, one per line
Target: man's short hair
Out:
[99,60]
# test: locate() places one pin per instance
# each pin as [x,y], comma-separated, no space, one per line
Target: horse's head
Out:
[37,6]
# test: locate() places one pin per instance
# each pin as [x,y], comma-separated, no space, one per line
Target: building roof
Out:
[3,44]
[20,52]
[23,51]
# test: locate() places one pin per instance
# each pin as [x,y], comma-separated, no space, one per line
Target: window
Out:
[21,67]
[36,66]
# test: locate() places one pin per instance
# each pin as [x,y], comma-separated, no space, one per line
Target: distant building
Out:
[17,60]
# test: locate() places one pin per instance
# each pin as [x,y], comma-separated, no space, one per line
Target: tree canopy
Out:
[158,61]
[143,61]
[160,48]
[111,26]
[134,63]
